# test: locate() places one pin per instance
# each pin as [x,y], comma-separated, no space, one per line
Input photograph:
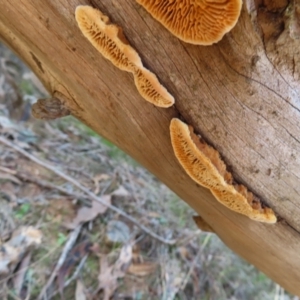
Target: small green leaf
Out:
[23,210]
[61,238]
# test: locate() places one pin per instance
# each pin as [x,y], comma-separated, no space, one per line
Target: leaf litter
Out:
[85,214]
[109,274]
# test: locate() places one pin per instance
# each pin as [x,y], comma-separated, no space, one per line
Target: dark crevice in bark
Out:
[260,83]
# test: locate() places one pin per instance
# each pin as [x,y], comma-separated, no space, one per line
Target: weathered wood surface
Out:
[242,95]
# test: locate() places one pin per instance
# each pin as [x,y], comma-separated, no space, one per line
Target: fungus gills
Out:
[204,165]
[201,22]
[110,41]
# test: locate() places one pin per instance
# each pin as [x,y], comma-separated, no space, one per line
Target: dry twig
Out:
[73,277]
[194,262]
[47,185]
[86,191]
[68,246]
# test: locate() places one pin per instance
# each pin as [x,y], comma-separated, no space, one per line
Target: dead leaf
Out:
[142,269]
[107,280]
[80,291]
[75,255]
[8,257]
[11,252]
[108,277]
[136,256]
[120,192]
[113,184]
[97,179]
[123,261]
[18,279]
[85,214]
[184,253]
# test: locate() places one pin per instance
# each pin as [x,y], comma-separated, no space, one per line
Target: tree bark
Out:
[241,95]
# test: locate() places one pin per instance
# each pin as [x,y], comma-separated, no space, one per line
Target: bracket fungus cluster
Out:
[110,41]
[200,22]
[204,165]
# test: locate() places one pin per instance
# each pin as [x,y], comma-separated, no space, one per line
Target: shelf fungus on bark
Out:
[202,225]
[204,165]
[201,22]
[201,162]
[240,200]
[49,109]
[110,41]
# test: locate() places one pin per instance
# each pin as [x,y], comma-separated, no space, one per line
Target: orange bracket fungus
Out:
[201,162]
[110,41]
[200,22]
[204,165]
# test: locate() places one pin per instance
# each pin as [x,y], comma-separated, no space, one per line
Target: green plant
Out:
[23,210]
[61,238]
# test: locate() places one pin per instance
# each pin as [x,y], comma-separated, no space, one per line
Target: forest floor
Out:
[79,219]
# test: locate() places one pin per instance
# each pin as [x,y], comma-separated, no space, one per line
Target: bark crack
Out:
[260,83]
